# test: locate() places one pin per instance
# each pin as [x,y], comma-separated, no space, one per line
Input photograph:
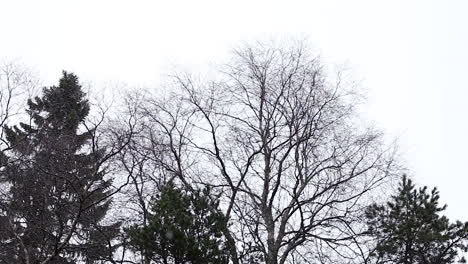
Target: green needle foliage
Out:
[410,229]
[182,228]
[57,193]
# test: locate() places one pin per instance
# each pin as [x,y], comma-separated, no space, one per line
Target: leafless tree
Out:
[147,162]
[280,141]
[17,84]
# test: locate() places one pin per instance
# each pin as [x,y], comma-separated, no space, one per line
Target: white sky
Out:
[412,56]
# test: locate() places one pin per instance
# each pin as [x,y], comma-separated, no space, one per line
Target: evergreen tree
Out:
[182,228]
[57,192]
[410,229]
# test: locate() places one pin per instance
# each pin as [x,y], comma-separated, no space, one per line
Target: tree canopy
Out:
[266,161]
[182,228]
[410,228]
[57,188]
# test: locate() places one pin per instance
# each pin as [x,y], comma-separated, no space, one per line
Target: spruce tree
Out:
[410,229]
[183,228]
[56,188]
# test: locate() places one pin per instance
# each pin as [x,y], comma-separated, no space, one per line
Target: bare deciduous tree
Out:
[281,143]
[17,84]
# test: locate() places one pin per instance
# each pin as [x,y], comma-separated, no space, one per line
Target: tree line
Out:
[266,162]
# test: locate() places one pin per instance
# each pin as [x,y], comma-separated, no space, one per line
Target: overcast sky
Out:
[411,55]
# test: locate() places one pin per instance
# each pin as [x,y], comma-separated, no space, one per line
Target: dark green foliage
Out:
[410,228]
[57,193]
[182,228]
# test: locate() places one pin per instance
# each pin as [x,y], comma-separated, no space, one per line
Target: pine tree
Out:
[57,191]
[183,228]
[410,229]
